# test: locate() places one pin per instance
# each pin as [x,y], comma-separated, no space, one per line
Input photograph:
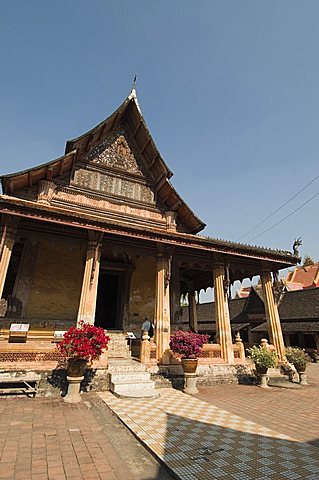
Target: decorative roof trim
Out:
[55,214]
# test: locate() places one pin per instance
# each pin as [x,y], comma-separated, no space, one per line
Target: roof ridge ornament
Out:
[133,91]
[133,95]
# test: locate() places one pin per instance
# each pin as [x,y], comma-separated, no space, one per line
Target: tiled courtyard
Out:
[225,432]
[231,432]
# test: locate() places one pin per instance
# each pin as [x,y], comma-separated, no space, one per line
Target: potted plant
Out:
[315,356]
[187,347]
[300,359]
[263,359]
[80,345]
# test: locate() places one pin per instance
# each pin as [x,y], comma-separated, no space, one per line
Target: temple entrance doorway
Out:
[107,314]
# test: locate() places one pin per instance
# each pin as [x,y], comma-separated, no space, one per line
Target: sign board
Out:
[130,335]
[59,333]
[19,327]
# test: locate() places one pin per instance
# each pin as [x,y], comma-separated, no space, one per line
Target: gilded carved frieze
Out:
[115,152]
[113,186]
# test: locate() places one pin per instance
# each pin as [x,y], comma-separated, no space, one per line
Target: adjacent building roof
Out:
[292,327]
[295,307]
[303,277]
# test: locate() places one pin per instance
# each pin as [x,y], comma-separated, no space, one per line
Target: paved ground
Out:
[44,439]
[230,432]
[293,412]
[218,434]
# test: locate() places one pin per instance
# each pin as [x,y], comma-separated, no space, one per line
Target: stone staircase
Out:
[118,347]
[278,379]
[130,379]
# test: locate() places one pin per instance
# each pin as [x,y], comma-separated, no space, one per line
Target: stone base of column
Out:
[190,380]
[73,395]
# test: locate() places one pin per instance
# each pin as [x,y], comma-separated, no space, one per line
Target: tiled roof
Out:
[291,327]
[298,305]
[305,276]
[301,304]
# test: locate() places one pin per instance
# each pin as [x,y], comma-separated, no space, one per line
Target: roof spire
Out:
[134,82]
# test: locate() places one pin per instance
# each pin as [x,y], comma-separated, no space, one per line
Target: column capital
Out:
[9,229]
[10,223]
[164,251]
[218,264]
[95,236]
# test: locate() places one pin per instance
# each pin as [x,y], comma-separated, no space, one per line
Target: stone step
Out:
[133,385]
[124,366]
[134,389]
[275,376]
[138,394]
[137,376]
[118,346]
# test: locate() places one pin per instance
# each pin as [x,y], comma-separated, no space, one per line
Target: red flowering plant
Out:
[187,344]
[83,342]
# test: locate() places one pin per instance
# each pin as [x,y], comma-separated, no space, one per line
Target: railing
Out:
[211,352]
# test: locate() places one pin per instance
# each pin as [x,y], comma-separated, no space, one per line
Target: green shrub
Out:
[298,357]
[263,357]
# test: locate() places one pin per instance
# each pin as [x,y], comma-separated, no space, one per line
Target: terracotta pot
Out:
[189,365]
[76,367]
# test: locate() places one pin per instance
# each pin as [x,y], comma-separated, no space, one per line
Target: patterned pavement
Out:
[199,441]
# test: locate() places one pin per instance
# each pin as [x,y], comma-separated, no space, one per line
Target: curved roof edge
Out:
[31,175]
[113,119]
[130,109]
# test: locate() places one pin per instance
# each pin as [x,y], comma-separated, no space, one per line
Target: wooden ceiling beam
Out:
[177,204]
[61,166]
[101,132]
[145,145]
[160,183]
[30,179]
[113,122]
[153,161]
[136,129]
[49,174]
[165,197]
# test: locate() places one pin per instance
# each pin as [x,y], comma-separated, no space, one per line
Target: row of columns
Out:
[87,303]
[222,317]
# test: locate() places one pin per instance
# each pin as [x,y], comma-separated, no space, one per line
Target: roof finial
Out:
[134,82]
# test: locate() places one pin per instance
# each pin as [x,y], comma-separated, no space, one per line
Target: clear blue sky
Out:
[229,90]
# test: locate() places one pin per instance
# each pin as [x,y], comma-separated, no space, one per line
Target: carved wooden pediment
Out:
[115,152]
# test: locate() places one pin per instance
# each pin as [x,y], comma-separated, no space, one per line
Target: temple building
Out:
[101,235]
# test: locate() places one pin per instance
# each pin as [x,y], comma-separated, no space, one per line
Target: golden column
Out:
[222,319]
[90,278]
[192,311]
[9,230]
[272,315]
[162,306]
